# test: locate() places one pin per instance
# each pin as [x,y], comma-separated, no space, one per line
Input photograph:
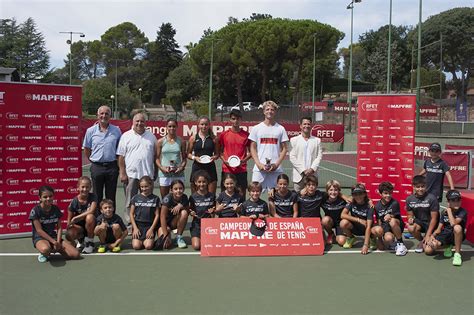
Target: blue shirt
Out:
[103,145]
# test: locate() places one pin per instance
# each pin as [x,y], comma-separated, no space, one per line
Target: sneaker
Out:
[400,249]
[116,249]
[180,242]
[89,248]
[407,235]
[349,242]
[419,249]
[42,258]
[79,245]
[372,243]
[448,251]
[457,260]
[329,238]
[101,249]
[394,246]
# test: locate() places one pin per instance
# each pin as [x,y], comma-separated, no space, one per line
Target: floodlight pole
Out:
[70,51]
[389,52]
[314,73]
[349,92]
[418,71]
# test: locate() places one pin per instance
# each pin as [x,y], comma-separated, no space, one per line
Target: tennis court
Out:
[181,282]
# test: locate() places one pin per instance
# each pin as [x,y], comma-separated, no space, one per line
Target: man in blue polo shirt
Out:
[100,144]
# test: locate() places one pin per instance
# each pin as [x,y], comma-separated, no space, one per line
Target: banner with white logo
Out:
[385,148]
[39,145]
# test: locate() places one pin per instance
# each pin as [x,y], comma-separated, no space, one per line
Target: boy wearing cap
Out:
[235,141]
[450,229]
[435,169]
[422,211]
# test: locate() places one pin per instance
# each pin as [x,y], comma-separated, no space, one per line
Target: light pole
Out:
[210,76]
[140,91]
[314,72]
[350,6]
[418,71]
[389,52]
[113,107]
[116,87]
[69,42]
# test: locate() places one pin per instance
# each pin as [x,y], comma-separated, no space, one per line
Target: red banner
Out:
[386,143]
[39,145]
[468,204]
[343,108]
[429,110]
[422,150]
[283,237]
[458,168]
[327,133]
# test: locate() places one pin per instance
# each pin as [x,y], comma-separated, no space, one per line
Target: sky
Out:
[191,17]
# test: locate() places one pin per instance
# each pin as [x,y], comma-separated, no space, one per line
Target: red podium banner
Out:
[385,149]
[39,145]
[283,237]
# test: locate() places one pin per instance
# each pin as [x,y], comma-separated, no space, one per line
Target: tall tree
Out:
[182,84]
[9,30]
[87,60]
[163,56]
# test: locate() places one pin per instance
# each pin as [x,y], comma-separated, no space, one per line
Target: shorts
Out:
[143,228]
[446,237]
[39,238]
[337,225]
[268,180]
[242,182]
[82,224]
[358,229]
[166,181]
[195,228]
[209,168]
[387,228]
[424,225]
[109,236]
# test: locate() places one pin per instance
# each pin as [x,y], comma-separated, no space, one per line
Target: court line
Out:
[198,253]
[330,170]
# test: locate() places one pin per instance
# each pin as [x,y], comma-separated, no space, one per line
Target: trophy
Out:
[268,164]
[172,168]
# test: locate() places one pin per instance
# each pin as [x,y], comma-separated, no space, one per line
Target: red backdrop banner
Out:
[283,237]
[429,110]
[385,148]
[327,133]
[40,145]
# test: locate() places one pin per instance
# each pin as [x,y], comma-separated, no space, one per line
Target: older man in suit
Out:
[305,153]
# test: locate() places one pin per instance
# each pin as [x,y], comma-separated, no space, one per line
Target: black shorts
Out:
[195,228]
[109,236]
[242,181]
[446,237]
[424,225]
[39,238]
[337,225]
[209,168]
[358,229]
[82,224]
[387,228]
[143,228]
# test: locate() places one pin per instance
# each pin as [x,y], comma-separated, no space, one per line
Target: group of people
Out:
[140,161]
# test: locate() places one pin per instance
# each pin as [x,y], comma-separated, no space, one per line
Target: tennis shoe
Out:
[400,249]
[448,251]
[89,248]
[116,249]
[372,243]
[457,260]
[42,258]
[349,242]
[180,242]
[79,245]
[101,249]
[419,249]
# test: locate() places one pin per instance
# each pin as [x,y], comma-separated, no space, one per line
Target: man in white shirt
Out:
[136,155]
[268,147]
[305,153]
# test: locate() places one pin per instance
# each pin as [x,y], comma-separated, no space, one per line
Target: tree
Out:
[163,56]
[87,60]
[182,85]
[24,48]
[96,93]
[456,26]
[358,55]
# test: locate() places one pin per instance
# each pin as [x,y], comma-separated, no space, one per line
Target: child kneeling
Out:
[450,229]
[110,228]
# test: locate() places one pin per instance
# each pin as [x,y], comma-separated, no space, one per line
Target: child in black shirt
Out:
[109,228]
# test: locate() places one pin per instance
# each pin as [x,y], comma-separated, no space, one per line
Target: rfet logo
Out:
[390,152]
[392,169]
[13,204]
[72,148]
[369,107]
[13,182]
[12,138]
[321,132]
[35,149]
[12,116]
[34,127]
[49,116]
[13,160]
[34,191]
[35,170]
[311,230]
[72,169]
[51,180]
[73,128]
[50,159]
[13,225]
[51,138]
[211,231]
[2,98]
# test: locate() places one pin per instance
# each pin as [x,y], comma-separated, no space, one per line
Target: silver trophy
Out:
[268,164]
[172,168]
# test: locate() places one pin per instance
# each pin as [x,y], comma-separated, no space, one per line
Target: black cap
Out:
[453,194]
[235,112]
[435,147]
[359,189]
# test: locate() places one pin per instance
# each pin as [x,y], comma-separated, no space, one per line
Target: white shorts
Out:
[166,181]
[268,180]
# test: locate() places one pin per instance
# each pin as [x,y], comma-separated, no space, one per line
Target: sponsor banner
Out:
[461,110]
[468,204]
[318,106]
[458,168]
[41,146]
[385,150]
[283,237]
[327,132]
[429,110]
[422,150]
[343,108]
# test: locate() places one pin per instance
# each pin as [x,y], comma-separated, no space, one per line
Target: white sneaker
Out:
[419,249]
[79,245]
[400,249]
[89,245]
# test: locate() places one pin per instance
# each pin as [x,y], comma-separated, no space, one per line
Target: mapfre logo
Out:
[72,148]
[400,106]
[35,170]
[51,138]
[50,159]
[311,229]
[211,231]
[48,97]
[51,180]
[49,116]
[369,107]
[12,116]
[12,138]
[13,160]
[13,182]
[35,149]
[72,128]
[34,127]
[72,169]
